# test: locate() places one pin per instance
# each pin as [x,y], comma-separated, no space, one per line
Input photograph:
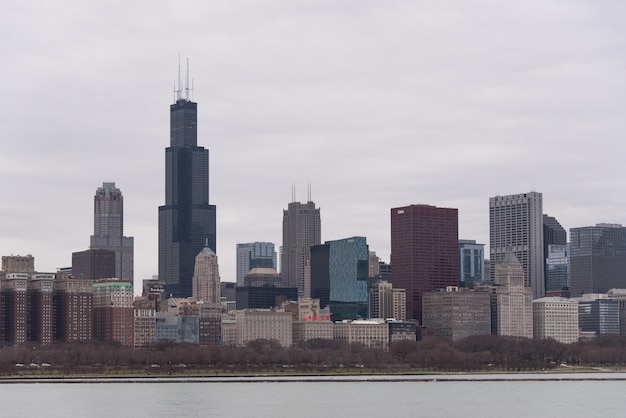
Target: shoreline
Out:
[585,374]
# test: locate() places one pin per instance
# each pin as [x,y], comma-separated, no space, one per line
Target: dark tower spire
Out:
[187,220]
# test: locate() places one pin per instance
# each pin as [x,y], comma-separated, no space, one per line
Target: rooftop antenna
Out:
[179,90]
[309,191]
[293,192]
[187,82]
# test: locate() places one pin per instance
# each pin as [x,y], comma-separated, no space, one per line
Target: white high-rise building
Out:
[516,225]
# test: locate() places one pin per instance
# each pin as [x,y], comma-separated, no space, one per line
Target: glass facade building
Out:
[600,316]
[339,272]
[597,258]
[187,220]
[472,262]
[557,268]
[254,254]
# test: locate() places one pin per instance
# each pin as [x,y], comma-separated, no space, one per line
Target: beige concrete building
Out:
[206,277]
[373,262]
[311,330]
[513,300]
[556,318]
[370,333]
[386,302]
[229,330]
[18,264]
[269,324]
[456,313]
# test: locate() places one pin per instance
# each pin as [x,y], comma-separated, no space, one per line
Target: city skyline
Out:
[390,105]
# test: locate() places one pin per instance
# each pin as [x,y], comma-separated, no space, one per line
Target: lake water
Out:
[524,395]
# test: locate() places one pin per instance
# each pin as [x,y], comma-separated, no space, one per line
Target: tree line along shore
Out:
[474,354]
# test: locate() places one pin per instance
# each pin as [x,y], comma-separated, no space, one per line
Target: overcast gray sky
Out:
[378,104]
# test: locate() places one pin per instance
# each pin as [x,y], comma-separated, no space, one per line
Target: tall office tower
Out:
[339,271]
[206,278]
[597,258]
[186,221]
[374,265]
[557,268]
[254,254]
[472,262]
[516,224]
[424,252]
[108,222]
[301,230]
[513,311]
[553,234]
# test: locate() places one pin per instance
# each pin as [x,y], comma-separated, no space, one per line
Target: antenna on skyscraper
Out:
[187,82]
[293,192]
[308,191]
[179,90]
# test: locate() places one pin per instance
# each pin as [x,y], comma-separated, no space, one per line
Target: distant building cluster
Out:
[535,283]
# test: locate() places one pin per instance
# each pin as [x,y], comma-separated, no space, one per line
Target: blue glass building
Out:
[339,271]
[471,262]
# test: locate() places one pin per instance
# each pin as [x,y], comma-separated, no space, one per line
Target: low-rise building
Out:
[268,324]
[370,333]
[556,318]
[456,313]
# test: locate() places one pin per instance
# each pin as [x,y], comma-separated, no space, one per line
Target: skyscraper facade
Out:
[472,262]
[424,252]
[206,278]
[516,225]
[557,268]
[553,234]
[187,220]
[339,272]
[301,230]
[108,222]
[597,258]
[254,254]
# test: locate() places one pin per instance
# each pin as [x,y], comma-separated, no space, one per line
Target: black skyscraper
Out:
[187,221]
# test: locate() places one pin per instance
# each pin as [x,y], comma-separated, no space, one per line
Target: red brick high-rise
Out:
[424,252]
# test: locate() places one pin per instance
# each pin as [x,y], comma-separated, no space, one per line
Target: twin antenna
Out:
[308,192]
[178,88]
